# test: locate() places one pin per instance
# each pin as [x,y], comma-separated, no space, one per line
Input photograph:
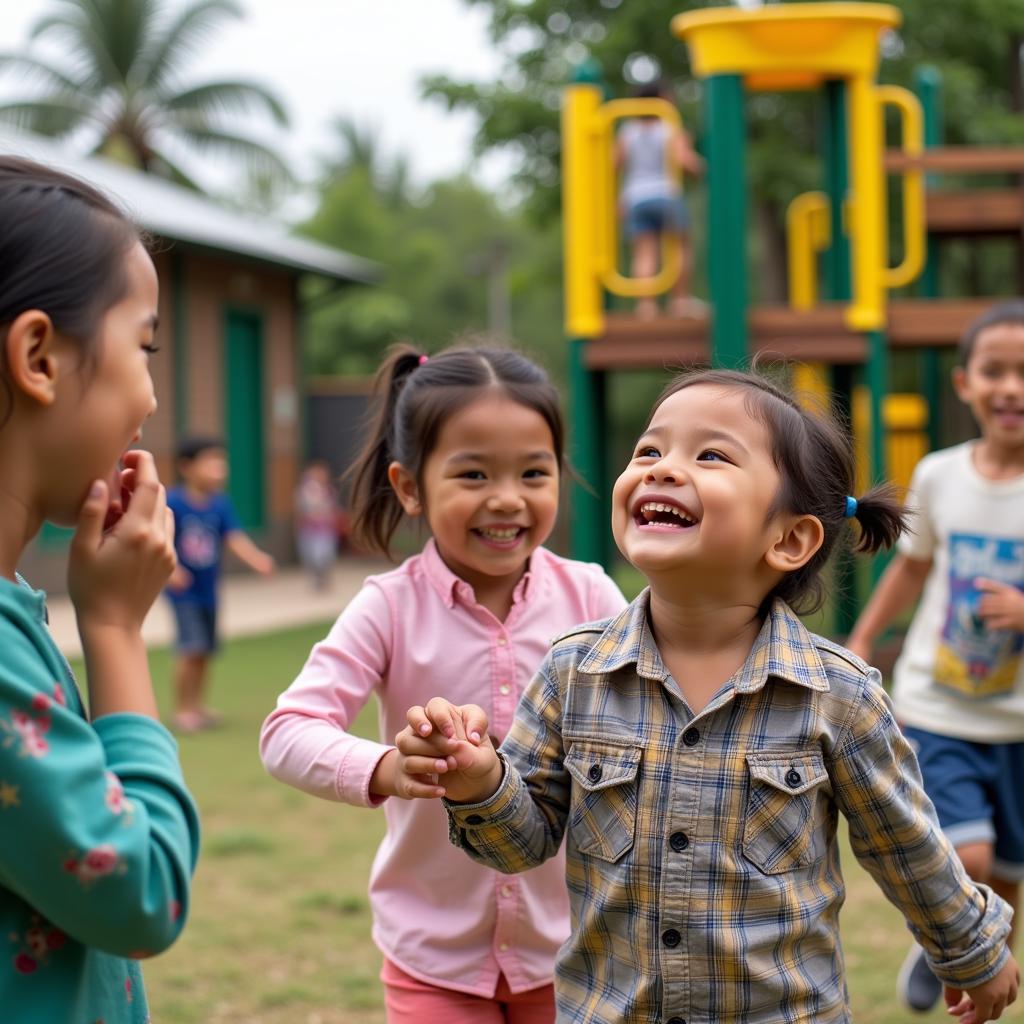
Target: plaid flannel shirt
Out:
[702,861]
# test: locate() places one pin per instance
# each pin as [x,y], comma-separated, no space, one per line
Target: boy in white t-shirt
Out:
[958,686]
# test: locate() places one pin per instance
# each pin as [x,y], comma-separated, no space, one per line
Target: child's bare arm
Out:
[900,586]
[1001,605]
[241,546]
[686,157]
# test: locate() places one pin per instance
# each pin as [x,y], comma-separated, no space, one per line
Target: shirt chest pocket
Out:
[785,810]
[602,817]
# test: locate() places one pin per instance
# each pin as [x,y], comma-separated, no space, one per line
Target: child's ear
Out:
[796,544]
[403,483]
[960,383]
[31,357]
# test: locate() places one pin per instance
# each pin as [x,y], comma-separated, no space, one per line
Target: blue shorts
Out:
[978,792]
[667,214]
[197,627]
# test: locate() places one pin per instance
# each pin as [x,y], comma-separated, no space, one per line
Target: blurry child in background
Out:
[651,157]
[317,515]
[958,686]
[205,523]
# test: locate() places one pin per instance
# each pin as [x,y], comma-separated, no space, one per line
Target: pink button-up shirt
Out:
[411,634]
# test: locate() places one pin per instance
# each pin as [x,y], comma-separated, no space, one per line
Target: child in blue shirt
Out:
[98,835]
[205,523]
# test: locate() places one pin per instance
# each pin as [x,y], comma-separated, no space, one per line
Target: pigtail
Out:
[374,506]
[882,517]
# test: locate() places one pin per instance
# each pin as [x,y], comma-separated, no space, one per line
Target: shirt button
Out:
[502,641]
[506,890]
[595,773]
[679,841]
[503,947]
[671,938]
[503,689]
[691,737]
[793,778]
[474,819]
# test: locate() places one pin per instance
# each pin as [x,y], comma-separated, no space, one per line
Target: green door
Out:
[243,411]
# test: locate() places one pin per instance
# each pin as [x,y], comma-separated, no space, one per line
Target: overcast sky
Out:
[362,58]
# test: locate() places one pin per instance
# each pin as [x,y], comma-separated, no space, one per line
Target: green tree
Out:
[121,84]
[454,262]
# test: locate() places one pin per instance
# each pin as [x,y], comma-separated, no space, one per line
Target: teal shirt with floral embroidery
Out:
[98,838]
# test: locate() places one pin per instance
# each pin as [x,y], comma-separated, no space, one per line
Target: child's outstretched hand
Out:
[1001,606]
[115,572]
[986,1001]
[449,744]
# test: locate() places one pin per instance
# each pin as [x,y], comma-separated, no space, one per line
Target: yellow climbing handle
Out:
[807,233]
[913,185]
[608,233]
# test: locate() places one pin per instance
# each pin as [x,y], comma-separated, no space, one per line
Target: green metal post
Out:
[590,515]
[837,184]
[878,384]
[837,287]
[878,387]
[928,86]
[727,218]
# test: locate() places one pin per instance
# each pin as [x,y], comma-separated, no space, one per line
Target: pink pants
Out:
[411,1001]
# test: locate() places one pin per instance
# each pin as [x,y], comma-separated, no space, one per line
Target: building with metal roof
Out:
[230,362]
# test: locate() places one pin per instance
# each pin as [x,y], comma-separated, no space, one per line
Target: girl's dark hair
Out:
[416,395]
[1010,312]
[62,249]
[815,461]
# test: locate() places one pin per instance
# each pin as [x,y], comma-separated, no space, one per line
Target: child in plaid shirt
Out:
[698,748]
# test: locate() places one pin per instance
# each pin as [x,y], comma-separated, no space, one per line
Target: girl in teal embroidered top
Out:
[98,834]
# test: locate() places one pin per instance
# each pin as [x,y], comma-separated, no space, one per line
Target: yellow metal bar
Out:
[671,264]
[810,385]
[807,232]
[905,417]
[581,209]
[913,185]
[866,207]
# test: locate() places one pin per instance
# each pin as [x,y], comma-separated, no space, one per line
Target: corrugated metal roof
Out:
[173,212]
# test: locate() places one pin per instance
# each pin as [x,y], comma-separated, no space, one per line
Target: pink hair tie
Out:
[423,359]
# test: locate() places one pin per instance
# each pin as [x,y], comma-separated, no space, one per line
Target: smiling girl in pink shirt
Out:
[471,441]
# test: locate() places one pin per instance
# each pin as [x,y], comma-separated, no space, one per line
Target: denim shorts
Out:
[978,792]
[666,214]
[197,627]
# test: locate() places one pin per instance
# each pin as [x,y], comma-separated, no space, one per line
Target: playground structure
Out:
[832,48]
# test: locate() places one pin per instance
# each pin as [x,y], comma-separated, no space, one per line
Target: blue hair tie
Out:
[851,507]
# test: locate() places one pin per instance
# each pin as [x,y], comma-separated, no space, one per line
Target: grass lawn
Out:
[280,924]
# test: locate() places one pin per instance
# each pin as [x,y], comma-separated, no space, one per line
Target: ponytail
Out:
[881,517]
[375,508]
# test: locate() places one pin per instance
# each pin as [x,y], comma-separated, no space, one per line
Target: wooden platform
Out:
[976,213]
[779,332]
[959,160]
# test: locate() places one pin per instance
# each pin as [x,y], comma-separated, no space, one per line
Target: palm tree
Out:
[121,85]
[359,150]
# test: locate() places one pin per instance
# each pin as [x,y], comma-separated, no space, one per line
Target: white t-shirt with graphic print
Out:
[955,676]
